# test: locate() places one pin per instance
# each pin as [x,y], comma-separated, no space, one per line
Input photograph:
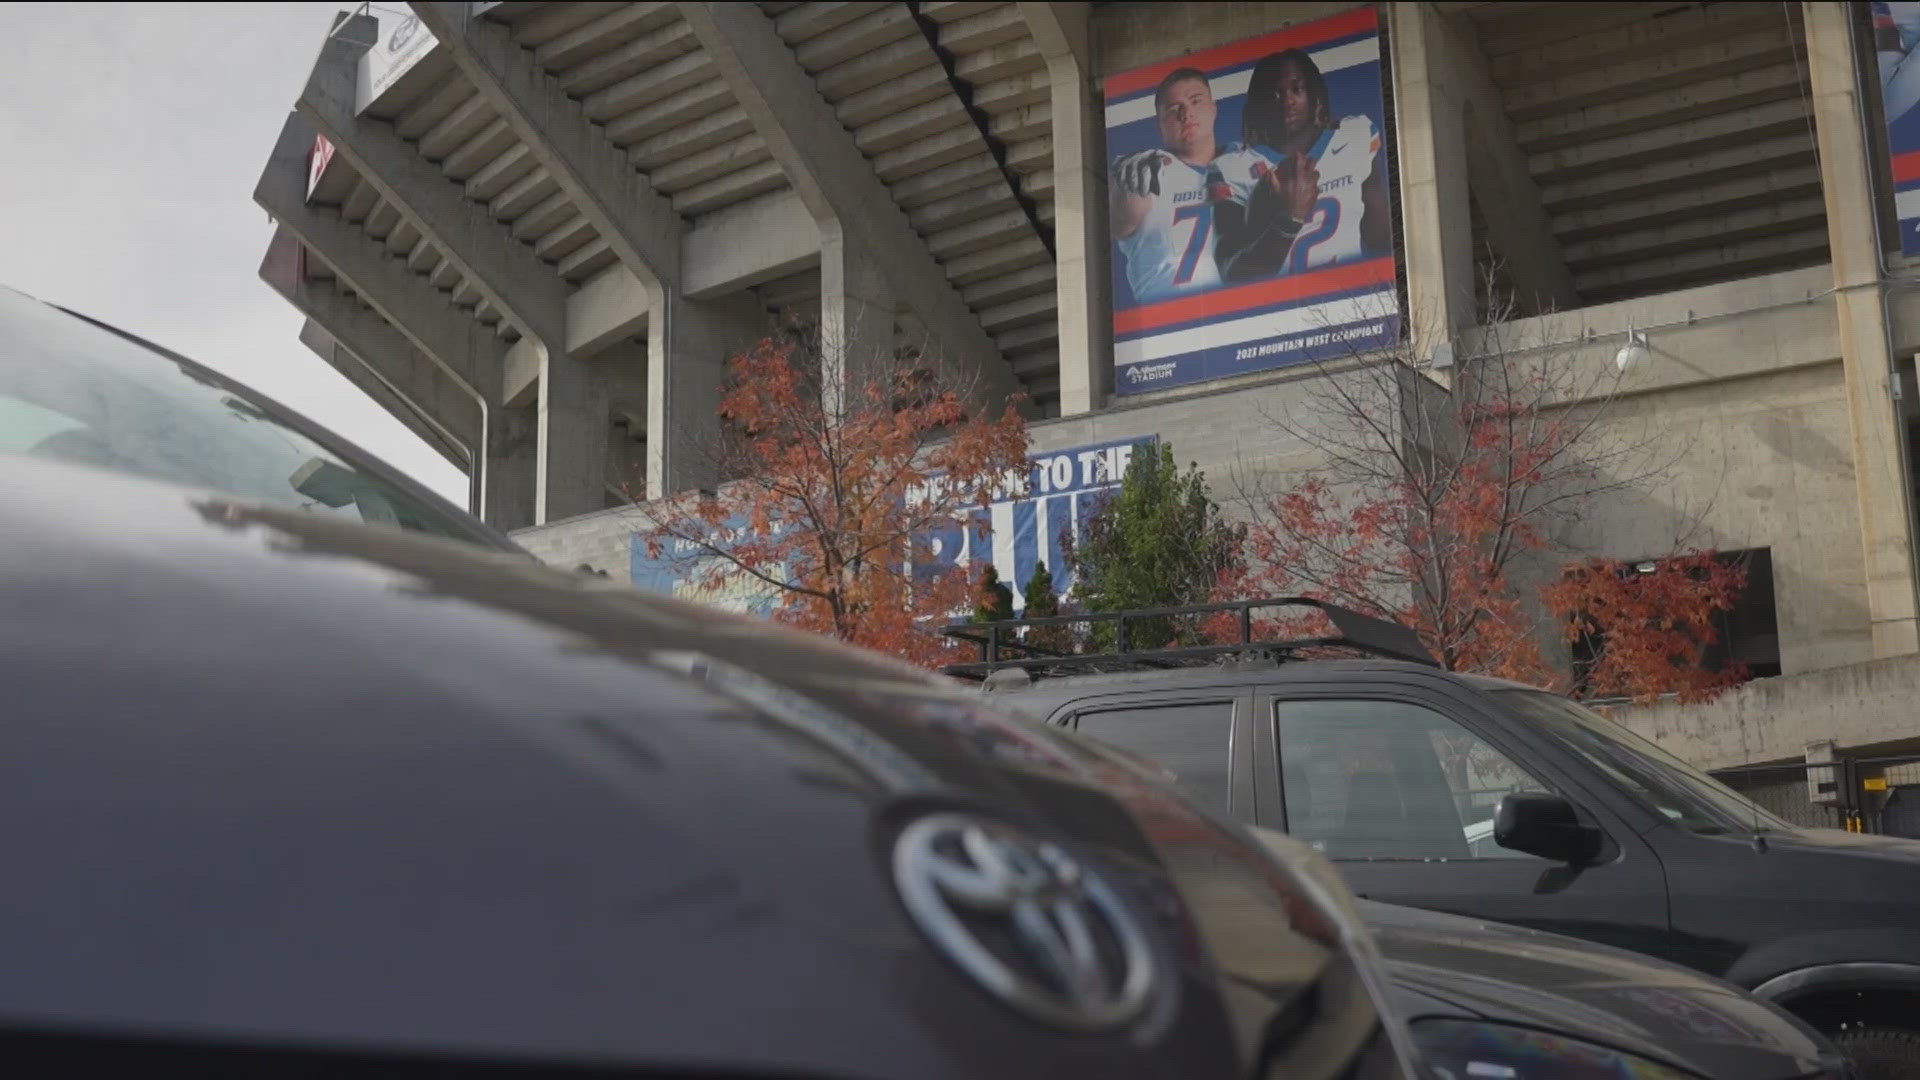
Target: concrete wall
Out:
[1744,411]
[1745,407]
[1864,708]
[1744,394]
[603,541]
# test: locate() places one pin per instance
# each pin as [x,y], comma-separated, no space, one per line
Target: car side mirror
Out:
[1545,825]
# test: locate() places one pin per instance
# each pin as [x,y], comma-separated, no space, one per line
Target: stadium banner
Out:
[1896,32]
[1249,215]
[402,43]
[1017,535]
[317,161]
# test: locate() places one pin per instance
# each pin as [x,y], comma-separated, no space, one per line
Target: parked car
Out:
[1481,997]
[77,390]
[303,772]
[1504,802]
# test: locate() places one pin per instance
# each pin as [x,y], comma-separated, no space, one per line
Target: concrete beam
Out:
[1629,243]
[1579,87]
[1880,467]
[1635,41]
[690,341]
[1635,112]
[1727,260]
[1679,173]
[416,419]
[621,205]
[520,374]
[607,308]
[840,187]
[429,398]
[1083,284]
[747,244]
[1622,152]
[1698,203]
[468,352]
[500,483]
[1499,173]
[502,270]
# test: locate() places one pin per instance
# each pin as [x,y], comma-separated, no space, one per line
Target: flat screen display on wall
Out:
[1248,204]
[1896,34]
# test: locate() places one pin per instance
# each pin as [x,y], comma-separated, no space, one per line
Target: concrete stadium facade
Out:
[534,232]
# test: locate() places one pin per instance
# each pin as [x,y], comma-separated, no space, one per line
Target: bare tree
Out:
[1427,499]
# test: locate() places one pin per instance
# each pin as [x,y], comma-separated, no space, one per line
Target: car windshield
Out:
[1678,791]
[75,392]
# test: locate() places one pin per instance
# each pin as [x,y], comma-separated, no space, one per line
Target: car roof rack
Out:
[1002,648]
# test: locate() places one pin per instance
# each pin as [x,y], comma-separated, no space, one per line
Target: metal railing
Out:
[1817,796]
[1140,638]
[1866,795]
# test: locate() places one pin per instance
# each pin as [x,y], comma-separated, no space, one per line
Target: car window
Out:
[72,391]
[1391,780]
[1682,794]
[1192,740]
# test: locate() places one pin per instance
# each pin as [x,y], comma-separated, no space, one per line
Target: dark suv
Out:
[1487,798]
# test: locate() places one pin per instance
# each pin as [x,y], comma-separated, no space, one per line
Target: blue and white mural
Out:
[1065,488]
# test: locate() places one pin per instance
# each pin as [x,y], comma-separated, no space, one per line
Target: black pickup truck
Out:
[1505,802]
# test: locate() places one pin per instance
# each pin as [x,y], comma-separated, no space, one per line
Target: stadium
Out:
[534,232]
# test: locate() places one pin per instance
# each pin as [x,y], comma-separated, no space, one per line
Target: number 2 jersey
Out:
[1171,253]
[1345,158]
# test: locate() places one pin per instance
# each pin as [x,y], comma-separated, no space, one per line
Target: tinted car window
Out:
[1681,793]
[72,391]
[1191,740]
[1390,780]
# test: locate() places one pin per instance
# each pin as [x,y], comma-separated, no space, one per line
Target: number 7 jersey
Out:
[1344,157]
[1171,254]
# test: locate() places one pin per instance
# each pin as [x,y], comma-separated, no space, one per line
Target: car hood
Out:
[1446,965]
[272,775]
[1839,841]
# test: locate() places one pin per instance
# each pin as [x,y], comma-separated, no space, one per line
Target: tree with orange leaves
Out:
[830,493]
[1434,505]
[1648,626]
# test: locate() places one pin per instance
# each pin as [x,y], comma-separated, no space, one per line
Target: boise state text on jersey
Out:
[1172,252]
[1345,159]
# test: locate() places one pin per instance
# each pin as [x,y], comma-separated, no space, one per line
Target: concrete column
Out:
[504,494]
[836,181]
[1435,217]
[571,417]
[1879,468]
[625,365]
[688,345]
[857,315]
[1083,282]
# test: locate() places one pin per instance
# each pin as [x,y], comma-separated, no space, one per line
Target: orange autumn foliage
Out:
[1432,501]
[1652,626]
[830,499]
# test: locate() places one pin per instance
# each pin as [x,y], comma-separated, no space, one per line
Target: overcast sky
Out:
[133,135]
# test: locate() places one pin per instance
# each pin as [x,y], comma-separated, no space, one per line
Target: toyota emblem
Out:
[1065,948]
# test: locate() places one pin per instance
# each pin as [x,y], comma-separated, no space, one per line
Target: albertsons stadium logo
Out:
[403,33]
[1140,373]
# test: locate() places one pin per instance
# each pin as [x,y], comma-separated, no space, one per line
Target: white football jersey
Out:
[1899,69]
[1172,251]
[1345,157]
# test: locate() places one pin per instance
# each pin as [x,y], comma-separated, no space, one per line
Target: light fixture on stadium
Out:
[1635,351]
